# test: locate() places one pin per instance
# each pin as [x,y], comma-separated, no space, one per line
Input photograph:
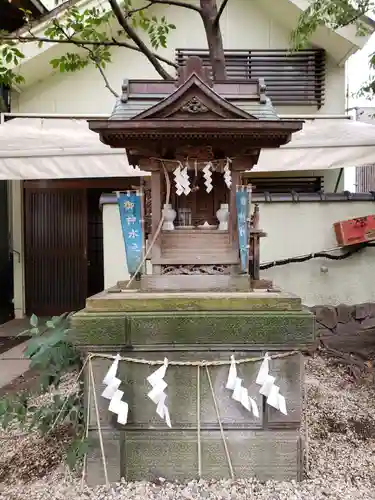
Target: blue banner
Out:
[132,228]
[242,208]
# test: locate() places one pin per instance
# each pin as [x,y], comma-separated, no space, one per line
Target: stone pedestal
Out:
[196,325]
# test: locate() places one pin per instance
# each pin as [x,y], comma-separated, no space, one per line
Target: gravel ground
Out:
[340,418]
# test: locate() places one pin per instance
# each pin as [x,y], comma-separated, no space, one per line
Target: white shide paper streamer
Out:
[157,394]
[268,387]
[207,174]
[111,392]
[227,174]
[185,181]
[177,180]
[240,393]
[182,181]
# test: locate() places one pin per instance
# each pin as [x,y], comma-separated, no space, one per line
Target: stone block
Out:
[94,465]
[107,419]
[182,392]
[289,373]
[227,327]
[174,455]
[138,301]
[98,329]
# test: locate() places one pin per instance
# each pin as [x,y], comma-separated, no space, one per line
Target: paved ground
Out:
[14,327]
[12,362]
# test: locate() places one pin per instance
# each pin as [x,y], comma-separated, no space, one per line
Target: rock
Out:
[348,328]
[367,323]
[364,310]
[345,313]
[322,331]
[326,316]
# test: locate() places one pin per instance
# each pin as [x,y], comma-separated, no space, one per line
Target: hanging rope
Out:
[199,443]
[219,362]
[220,425]
[99,424]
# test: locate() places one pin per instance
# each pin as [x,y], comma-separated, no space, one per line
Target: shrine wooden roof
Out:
[151,116]
[139,95]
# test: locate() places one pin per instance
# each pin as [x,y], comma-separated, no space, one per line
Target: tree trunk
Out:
[214,38]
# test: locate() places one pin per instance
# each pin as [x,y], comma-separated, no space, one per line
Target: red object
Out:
[354,231]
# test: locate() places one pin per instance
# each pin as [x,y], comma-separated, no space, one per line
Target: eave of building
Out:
[339,45]
[12,13]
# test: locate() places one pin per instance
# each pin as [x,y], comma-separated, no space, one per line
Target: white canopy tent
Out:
[34,148]
[322,144]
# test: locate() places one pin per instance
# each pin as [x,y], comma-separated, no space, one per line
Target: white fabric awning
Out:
[322,144]
[34,148]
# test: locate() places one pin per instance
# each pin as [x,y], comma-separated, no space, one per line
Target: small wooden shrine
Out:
[196,137]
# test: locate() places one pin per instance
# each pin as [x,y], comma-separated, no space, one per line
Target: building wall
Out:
[365,175]
[296,229]
[244,26]
[293,229]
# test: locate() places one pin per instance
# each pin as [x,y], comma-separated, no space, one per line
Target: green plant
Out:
[52,355]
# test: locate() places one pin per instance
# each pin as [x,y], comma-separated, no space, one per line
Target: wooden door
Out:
[55,250]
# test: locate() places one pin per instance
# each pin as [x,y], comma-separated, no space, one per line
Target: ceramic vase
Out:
[169,217]
[222,216]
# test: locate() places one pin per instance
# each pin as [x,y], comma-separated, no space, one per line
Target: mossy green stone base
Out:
[288,328]
[196,326]
[140,301]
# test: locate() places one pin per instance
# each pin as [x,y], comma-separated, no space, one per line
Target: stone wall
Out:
[347,329]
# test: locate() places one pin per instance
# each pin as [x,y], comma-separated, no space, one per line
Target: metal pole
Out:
[82,116]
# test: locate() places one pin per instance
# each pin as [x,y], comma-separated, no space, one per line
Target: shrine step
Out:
[195,240]
[176,259]
[198,283]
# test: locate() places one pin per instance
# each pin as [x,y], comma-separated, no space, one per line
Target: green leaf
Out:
[18,53]
[19,79]
[6,420]
[34,320]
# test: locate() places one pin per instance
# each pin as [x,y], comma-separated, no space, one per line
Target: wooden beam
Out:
[155,210]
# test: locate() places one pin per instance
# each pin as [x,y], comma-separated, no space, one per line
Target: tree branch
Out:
[220,11]
[129,13]
[93,58]
[75,41]
[177,3]
[106,81]
[138,41]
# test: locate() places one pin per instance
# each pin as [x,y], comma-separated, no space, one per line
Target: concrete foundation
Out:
[191,325]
